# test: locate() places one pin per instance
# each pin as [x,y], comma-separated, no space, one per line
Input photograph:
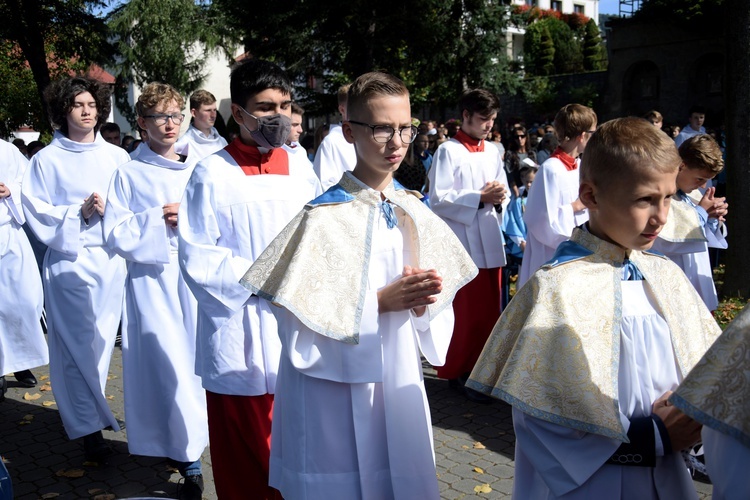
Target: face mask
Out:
[273,130]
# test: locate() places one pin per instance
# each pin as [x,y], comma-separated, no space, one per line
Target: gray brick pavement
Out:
[474,447]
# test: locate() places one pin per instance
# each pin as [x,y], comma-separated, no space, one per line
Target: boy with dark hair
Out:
[111,133]
[235,203]
[468,190]
[165,405]
[696,117]
[201,138]
[553,208]
[365,275]
[696,221]
[589,350]
[84,280]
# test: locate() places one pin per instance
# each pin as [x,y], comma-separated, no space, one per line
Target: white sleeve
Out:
[549,219]
[448,197]
[140,237]
[211,271]
[17,168]
[57,226]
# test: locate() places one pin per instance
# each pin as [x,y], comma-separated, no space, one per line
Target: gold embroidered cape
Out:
[716,393]
[554,352]
[683,223]
[317,266]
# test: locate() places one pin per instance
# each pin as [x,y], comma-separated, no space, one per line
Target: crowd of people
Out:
[277,301]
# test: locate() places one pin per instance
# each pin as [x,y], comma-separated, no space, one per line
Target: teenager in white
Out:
[64,199]
[22,344]
[335,155]
[165,405]
[201,138]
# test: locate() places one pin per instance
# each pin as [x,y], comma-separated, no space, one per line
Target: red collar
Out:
[473,145]
[567,160]
[253,162]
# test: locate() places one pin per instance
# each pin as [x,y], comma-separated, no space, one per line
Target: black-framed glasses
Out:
[176,118]
[384,133]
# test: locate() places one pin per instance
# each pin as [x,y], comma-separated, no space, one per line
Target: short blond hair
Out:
[572,120]
[371,86]
[156,93]
[626,149]
[702,152]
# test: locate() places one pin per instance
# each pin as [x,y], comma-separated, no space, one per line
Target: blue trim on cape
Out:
[704,418]
[333,195]
[546,416]
[568,251]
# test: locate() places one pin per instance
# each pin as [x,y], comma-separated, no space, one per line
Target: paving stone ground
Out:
[474,446]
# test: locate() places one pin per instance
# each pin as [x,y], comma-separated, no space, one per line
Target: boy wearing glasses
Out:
[235,203]
[165,405]
[364,275]
[63,200]
[553,208]
[468,190]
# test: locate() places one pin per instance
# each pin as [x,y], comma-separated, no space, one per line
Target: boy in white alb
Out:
[696,224]
[590,349]
[365,275]
[335,155]
[64,193]
[292,145]
[236,202]
[201,138]
[165,405]
[468,190]
[22,344]
[553,208]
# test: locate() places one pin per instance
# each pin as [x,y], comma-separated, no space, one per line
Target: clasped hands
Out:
[415,289]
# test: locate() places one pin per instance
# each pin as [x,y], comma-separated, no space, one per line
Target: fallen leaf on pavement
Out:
[95,491]
[482,488]
[28,418]
[45,387]
[105,496]
[464,447]
[44,377]
[479,446]
[50,495]
[31,397]
[478,470]
[48,403]
[70,473]
[110,397]
[90,464]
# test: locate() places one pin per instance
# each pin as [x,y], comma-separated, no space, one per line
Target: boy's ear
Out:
[587,192]
[192,112]
[346,127]
[141,122]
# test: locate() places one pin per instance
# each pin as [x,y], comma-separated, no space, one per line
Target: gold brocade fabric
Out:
[683,223]
[317,267]
[554,352]
[716,392]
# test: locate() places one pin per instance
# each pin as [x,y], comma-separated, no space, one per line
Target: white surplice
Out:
[226,220]
[196,145]
[334,157]
[456,178]
[553,461]
[549,215]
[352,420]
[165,405]
[84,279]
[22,344]
[693,257]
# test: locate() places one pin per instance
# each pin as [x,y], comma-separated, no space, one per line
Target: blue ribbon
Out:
[390,215]
[630,272]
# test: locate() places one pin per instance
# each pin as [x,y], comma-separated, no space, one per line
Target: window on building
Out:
[578,9]
[556,5]
[532,3]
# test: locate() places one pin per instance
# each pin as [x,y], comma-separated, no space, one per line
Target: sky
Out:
[609,6]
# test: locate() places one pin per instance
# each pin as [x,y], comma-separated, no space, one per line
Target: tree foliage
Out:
[594,55]
[438,47]
[46,39]
[162,41]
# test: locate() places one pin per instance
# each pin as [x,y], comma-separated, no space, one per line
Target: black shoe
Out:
[477,397]
[192,488]
[3,388]
[95,448]
[457,384]
[25,378]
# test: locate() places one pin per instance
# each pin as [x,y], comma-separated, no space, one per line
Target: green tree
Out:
[550,48]
[50,38]
[438,47]
[594,57]
[163,41]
